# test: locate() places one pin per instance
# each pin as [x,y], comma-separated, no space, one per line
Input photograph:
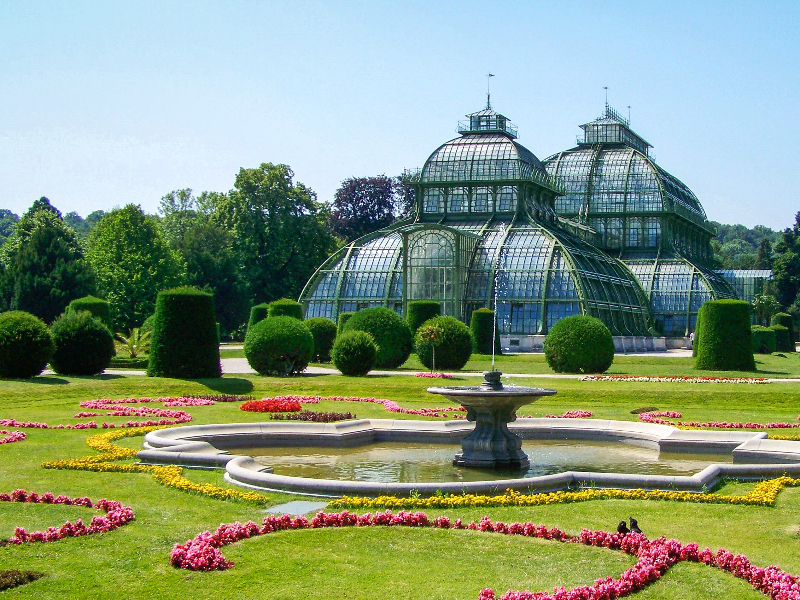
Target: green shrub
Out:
[147,326]
[453,349]
[184,341]
[285,308]
[97,306]
[579,344]
[723,338]
[257,313]
[420,311]
[324,332]
[763,339]
[83,344]
[483,330]
[25,345]
[390,332]
[279,346]
[782,338]
[784,343]
[354,353]
[342,321]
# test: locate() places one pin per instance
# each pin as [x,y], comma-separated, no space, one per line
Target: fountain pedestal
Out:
[492,406]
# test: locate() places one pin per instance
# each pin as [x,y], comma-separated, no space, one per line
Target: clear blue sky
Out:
[107,103]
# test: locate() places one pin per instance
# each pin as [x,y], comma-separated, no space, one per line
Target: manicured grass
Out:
[380,563]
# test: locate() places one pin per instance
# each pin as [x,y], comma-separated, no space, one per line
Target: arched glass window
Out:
[432,268]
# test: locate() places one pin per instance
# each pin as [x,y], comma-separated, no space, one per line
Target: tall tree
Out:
[363,205]
[178,214]
[763,258]
[133,262]
[786,264]
[43,264]
[8,221]
[277,228]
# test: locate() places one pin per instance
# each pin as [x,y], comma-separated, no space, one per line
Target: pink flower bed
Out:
[658,418]
[116,516]
[434,375]
[654,557]
[685,379]
[11,436]
[571,414]
[389,405]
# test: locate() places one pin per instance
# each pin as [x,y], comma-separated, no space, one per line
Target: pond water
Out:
[396,462]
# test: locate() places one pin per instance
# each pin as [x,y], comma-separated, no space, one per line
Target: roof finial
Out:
[605,87]
[488,93]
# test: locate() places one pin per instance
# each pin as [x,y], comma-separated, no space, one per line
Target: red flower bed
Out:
[272,405]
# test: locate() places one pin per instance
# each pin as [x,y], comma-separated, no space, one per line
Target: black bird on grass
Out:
[635,526]
[623,528]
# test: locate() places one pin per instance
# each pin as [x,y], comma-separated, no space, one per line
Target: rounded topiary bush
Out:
[83,344]
[722,337]
[454,347]
[784,343]
[763,339]
[390,332]
[324,332]
[782,338]
[97,306]
[184,341]
[579,344]
[481,324]
[354,353]
[420,311]
[257,313]
[279,346]
[25,345]
[285,308]
[344,317]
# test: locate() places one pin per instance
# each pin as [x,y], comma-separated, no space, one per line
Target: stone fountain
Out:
[492,406]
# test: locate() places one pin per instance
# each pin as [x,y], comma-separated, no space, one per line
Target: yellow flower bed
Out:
[169,475]
[763,494]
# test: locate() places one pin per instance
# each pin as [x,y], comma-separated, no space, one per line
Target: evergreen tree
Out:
[763,258]
[786,264]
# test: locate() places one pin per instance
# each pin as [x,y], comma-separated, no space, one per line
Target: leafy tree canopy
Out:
[786,265]
[363,205]
[738,247]
[8,220]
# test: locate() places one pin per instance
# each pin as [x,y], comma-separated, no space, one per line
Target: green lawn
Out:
[375,563]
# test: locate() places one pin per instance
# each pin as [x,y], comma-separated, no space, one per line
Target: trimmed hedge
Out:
[285,308]
[354,353]
[342,321]
[784,344]
[184,341]
[84,345]
[579,344]
[482,326]
[26,345]
[782,338]
[279,346]
[97,306]
[324,332]
[390,332]
[763,339]
[454,349]
[420,311]
[257,313]
[722,337]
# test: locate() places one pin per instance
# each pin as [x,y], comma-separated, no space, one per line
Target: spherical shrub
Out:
[184,341]
[454,348]
[354,353]
[723,338]
[784,343]
[83,344]
[344,317]
[258,313]
[324,332]
[763,339]
[782,338]
[483,331]
[97,306]
[25,345]
[285,308]
[390,332]
[420,311]
[579,344]
[279,346]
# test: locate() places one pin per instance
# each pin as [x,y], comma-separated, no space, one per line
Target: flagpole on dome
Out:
[488,93]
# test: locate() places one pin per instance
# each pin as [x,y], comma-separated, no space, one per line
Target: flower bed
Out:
[684,379]
[572,414]
[389,405]
[658,418]
[116,516]
[433,375]
[654,557]
[11,436]
[272,405]
[313,417]
[763,493]
[11,578]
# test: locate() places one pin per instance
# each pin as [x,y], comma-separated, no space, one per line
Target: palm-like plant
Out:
[135,342]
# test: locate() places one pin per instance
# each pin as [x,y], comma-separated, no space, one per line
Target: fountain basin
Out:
[214,446]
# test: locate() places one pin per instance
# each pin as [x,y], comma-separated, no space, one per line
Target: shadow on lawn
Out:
[228,385]
[45,380]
